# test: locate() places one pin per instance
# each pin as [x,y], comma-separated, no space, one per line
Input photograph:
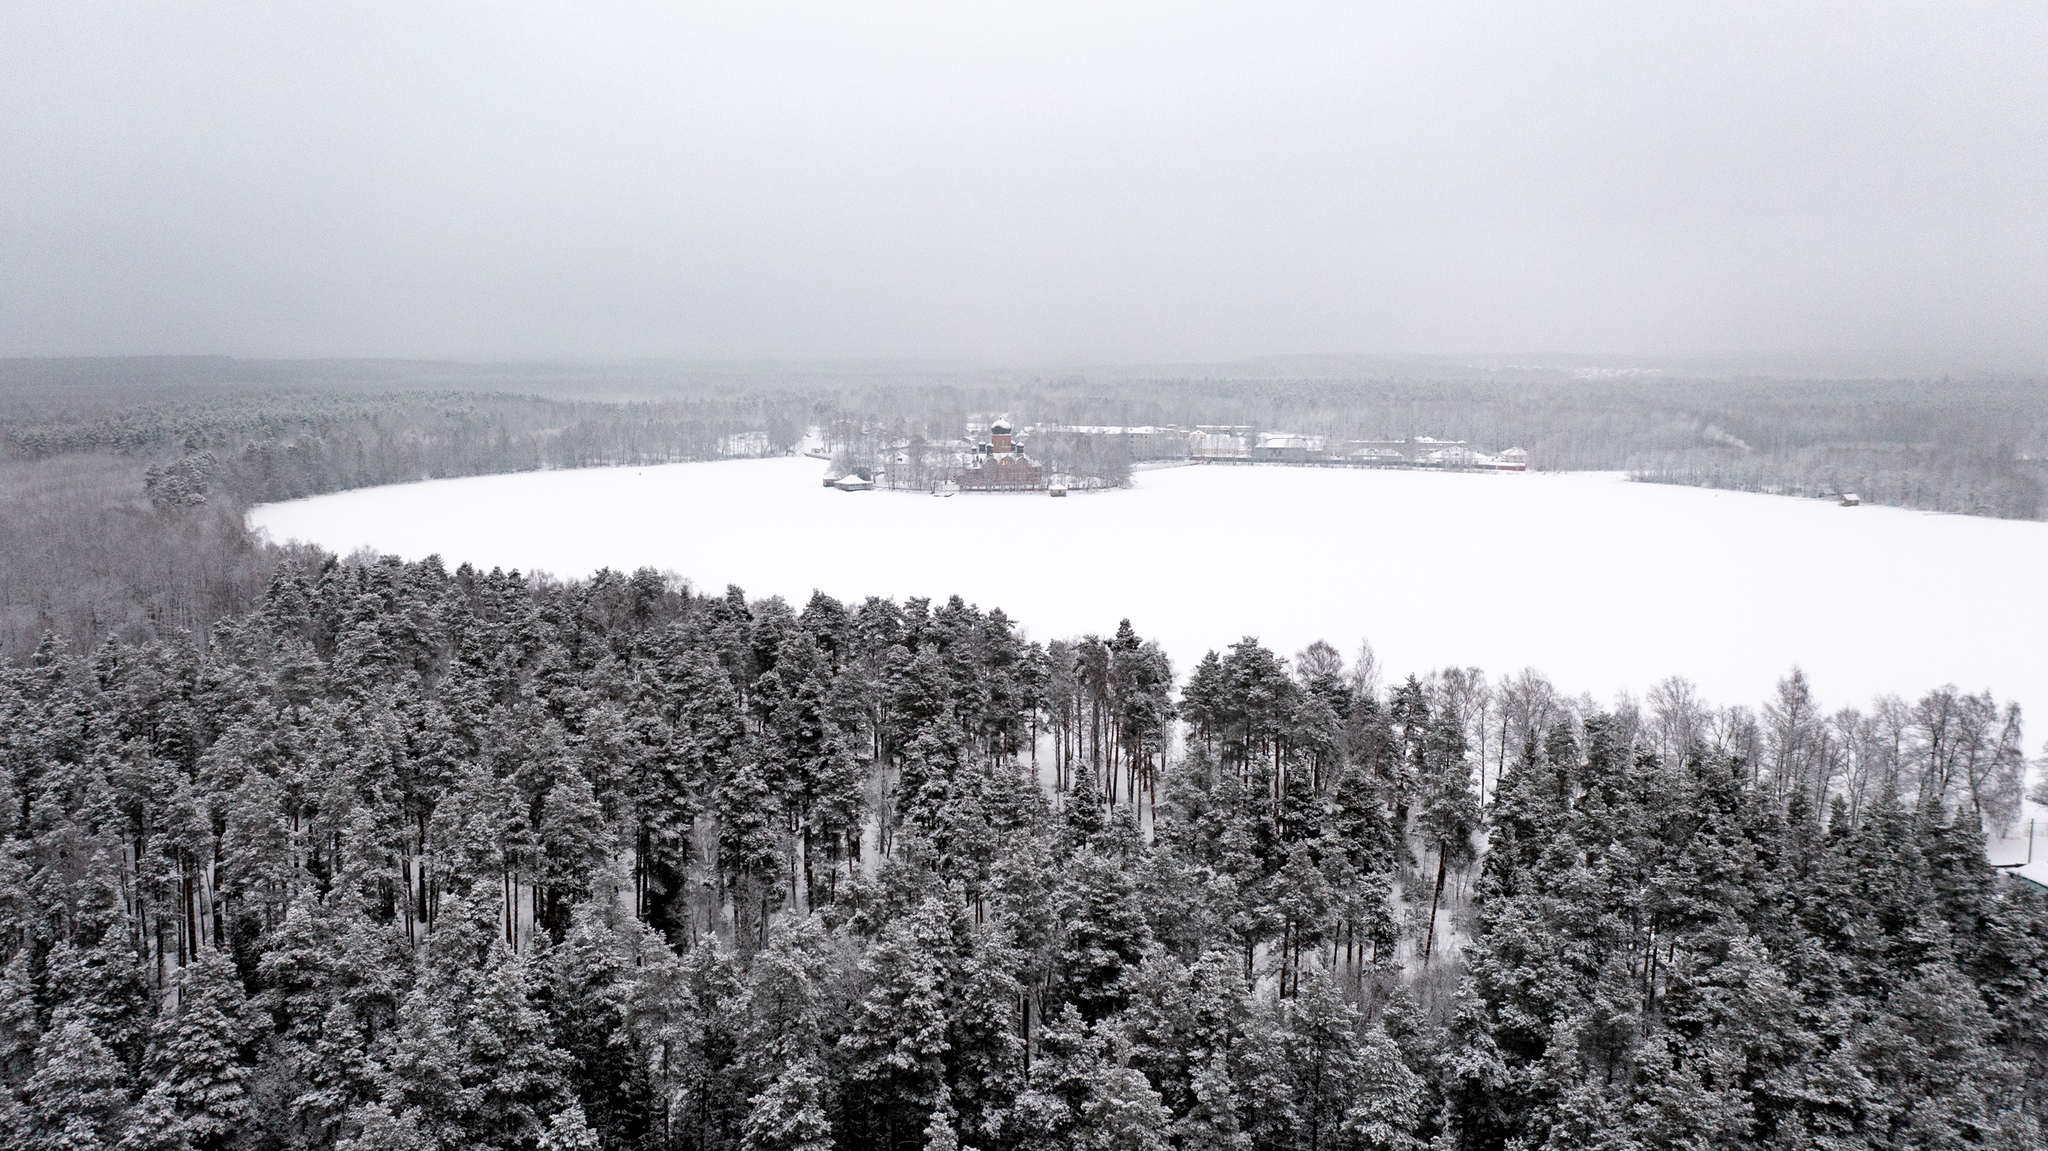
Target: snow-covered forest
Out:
[1023,577]
[302,853]
[412,858]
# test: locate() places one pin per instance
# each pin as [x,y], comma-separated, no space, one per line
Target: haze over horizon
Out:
[1029,183]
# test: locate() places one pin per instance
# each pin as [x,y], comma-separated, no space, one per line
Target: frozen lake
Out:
[1599,583]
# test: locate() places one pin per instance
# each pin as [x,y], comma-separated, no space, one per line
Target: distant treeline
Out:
[286,445]
[123,482]
[1973,446]
[1978,447]
[1929,477]
[122,497]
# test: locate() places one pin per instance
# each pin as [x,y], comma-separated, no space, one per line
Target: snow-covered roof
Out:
[2035,873]
[1286,440]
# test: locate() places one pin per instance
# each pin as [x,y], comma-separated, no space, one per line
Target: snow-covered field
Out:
[1602,584]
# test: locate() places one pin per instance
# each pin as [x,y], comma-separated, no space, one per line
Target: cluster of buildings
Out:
[991,458]
[1240,444]
[992,462]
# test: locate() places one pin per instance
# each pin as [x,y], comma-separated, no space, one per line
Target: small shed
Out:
[1851,500]
[1059,491]
[855,483]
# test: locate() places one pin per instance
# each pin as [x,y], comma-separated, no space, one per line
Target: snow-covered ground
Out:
[1601,584]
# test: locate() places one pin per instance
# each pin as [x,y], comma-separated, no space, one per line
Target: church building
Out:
[1001,465]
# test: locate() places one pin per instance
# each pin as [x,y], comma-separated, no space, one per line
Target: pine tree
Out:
[1450,811]
[789,1114]
[197,1066]
[750,850]
[785,1000]
[1209,1122]
[1271,1113]
[574,843]
[1106,935]
[1388,1098]
[1324,1058]
[1301,905]
[470,1062]
[896,1040]
[569,1131]
[1081,1094]
[19,1032]
[598,980]
[78,1097]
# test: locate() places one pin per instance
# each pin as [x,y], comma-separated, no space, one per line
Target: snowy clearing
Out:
[1601,584]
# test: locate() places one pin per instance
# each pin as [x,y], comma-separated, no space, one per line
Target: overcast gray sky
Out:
[1030,181]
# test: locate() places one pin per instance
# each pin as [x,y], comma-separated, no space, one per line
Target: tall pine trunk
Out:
[1429,943]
